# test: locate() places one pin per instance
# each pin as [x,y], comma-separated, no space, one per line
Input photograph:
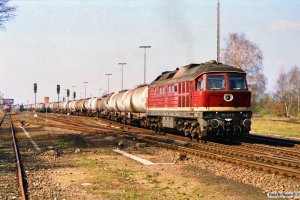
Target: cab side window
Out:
[200,85]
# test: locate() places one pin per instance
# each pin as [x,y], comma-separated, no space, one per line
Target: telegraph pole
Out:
[218,32]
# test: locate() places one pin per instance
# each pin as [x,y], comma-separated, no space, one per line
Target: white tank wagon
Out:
[103,104]
[55,106]
[120,99]
[71,106]
[112,102]
[51,105]
[61,105]
[40,107]
[86,104]
[79,105]
[93,104]
[65,105]
[135,100]
[126,100]
[139,99]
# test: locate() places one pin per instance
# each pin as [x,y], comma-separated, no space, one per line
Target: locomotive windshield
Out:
[237,83]
[215,82]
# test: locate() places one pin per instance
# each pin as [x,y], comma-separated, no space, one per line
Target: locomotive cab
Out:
[227,100]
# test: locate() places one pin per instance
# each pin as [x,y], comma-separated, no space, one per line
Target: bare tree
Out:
[284,94]
[6,12]
[242,53]
[294,81]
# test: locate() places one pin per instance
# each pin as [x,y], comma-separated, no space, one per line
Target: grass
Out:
[69,141]
[284,127]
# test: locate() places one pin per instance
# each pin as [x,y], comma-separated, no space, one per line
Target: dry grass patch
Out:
[276,127]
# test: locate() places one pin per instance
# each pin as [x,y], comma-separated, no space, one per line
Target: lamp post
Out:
[85,89]
[145,47]
[122,64]
[218,31]
[108,82]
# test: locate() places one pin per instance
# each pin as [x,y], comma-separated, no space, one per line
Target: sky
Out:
[69,42]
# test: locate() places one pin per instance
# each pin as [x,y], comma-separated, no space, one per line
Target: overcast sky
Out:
[64,42]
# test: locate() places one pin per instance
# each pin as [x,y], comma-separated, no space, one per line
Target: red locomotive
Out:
[202,100]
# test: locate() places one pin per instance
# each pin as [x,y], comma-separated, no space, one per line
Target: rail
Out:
[18,160]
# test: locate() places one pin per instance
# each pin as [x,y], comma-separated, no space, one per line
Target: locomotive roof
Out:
[192,71]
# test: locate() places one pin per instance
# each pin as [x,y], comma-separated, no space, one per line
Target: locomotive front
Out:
[226,97]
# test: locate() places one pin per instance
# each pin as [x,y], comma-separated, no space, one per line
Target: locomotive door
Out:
[187,94]
[191,95]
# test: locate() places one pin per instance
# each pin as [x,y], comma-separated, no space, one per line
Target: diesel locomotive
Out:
[199,100]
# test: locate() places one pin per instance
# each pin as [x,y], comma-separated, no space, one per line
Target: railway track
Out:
[270,159]
[12,184]
[253,138]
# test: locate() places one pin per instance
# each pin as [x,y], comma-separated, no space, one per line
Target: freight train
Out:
[199,100]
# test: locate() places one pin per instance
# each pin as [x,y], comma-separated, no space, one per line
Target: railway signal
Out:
[35,91]
[35,87]
[58,91]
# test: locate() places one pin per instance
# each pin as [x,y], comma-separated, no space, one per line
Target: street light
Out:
[85,89]
[122,64]
[108,82]
[145,47]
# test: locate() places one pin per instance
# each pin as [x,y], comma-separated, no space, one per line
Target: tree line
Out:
[284,101]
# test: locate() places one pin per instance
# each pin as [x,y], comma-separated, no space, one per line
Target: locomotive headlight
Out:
[228,97]
[247,123]
[214,123]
